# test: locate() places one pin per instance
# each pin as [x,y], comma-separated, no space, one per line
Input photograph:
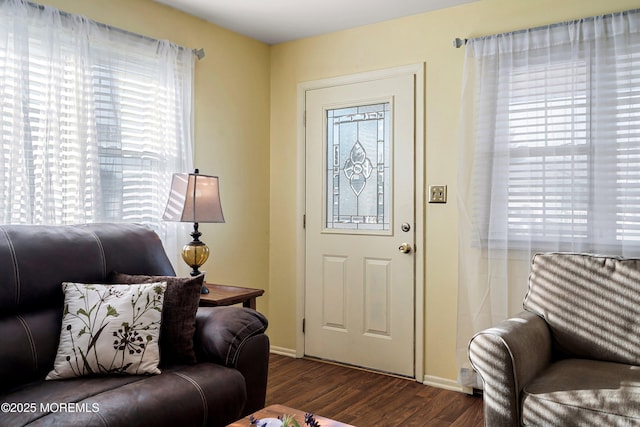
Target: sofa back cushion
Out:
[591,304]
[35,260]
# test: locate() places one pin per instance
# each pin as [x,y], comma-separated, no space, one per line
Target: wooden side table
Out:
[229,295]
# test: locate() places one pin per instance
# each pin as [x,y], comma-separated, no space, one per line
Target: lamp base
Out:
[195,253]
[195,272]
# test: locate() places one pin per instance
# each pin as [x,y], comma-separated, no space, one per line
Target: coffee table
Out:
[275,411]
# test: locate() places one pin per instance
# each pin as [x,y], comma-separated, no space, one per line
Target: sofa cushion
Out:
[29,344]
[181,301]
[202,394]
[579,392]
[109,329]
[35,260]
[591,304]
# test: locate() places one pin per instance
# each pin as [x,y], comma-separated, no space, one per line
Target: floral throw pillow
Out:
[109,329]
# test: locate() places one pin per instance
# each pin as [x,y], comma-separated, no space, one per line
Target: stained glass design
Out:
[358,168]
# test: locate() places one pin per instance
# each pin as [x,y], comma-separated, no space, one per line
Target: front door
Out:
[359,268]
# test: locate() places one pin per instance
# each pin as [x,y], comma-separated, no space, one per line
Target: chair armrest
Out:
[507,357]
[234,337]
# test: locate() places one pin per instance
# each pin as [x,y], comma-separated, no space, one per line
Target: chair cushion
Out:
[181,301]
[591,304]
[579,392]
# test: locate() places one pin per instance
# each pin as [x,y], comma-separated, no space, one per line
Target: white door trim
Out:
[417,70]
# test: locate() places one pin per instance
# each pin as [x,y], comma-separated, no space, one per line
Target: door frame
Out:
[418,71]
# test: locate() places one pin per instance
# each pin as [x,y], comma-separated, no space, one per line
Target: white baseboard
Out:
[428,379]
[282,351]
[446,384]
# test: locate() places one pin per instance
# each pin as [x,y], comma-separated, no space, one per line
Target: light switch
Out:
[437,194]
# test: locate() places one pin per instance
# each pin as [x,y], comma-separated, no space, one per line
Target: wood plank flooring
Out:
[366,399]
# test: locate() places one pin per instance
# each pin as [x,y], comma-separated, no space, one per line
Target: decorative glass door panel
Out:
[358,172]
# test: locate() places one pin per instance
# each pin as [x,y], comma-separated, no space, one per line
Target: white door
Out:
[359,268]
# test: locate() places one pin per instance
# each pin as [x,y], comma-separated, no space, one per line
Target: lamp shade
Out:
[194,198]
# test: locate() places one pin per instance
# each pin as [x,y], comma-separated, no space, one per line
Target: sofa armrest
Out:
[507,357]
[221,332]
[234,337]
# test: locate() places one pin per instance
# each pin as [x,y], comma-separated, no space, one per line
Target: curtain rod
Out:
[458,42]
[199,53]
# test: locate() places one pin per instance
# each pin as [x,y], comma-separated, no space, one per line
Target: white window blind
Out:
[558,157]
[93,120]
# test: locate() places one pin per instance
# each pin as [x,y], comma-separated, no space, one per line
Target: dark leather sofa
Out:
[228,381]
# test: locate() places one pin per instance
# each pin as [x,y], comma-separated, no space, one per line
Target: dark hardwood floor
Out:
[364,398]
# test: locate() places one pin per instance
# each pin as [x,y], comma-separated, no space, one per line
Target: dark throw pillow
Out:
[181,301]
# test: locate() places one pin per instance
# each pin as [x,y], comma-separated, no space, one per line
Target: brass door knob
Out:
[405,248]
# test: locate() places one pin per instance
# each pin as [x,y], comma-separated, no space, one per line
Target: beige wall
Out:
[245,132]
[231,128]
[422,38]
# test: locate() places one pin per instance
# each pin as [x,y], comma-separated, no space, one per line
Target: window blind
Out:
[94,121]
[558,155]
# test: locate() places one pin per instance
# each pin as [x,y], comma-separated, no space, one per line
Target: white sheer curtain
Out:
[549,158]
[93,121]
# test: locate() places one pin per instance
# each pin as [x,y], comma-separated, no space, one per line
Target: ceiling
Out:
[277,21]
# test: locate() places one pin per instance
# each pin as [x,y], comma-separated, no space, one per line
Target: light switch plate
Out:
[437,194]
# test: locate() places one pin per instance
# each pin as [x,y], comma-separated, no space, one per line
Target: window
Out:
[358,168]
[558,158]
[94,120]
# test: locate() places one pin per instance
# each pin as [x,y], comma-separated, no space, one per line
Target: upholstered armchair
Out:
[572,357]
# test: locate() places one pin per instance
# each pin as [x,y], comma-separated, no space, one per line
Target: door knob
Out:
[405,248]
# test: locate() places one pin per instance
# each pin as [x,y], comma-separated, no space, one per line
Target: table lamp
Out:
[194,198]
